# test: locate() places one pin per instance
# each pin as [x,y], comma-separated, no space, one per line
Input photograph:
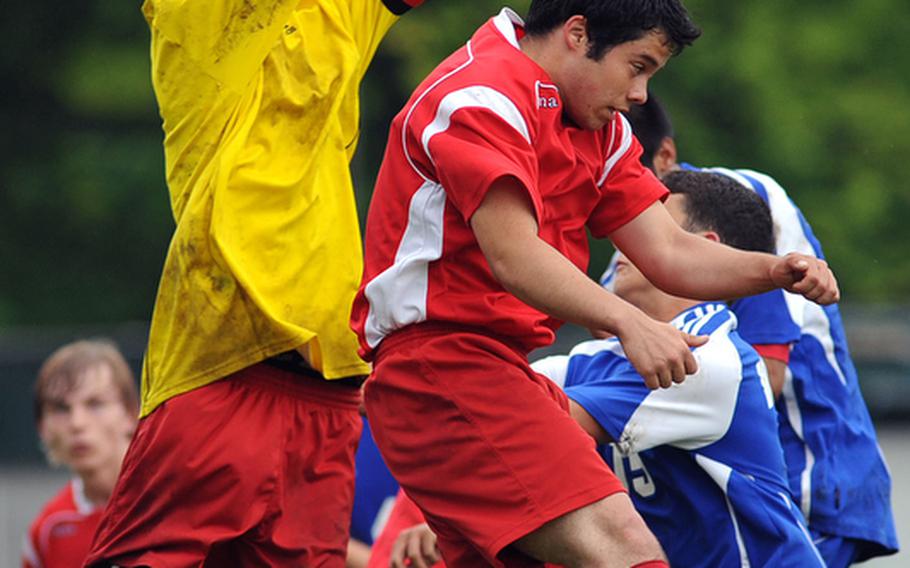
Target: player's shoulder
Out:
[64,501]
[489,70]
[724,350]
[759,182]
[707,318]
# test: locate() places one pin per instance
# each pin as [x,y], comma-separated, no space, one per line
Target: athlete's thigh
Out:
[481,443]
[309,523]
[198,471]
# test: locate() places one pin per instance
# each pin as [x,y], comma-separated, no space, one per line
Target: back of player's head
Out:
[612,22]
[61,373]
[650,124]
[715,202]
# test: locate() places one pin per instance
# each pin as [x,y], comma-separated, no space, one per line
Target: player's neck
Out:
[540,50]
[98,483]
[664,307]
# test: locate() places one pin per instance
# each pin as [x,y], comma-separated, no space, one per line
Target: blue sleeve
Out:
[690,415]
[609,396]
[765,319]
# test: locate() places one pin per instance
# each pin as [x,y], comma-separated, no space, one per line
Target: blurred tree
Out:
[83,215]
[812,93]
[815,93]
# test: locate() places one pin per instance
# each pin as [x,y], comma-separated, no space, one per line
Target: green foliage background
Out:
[814,93]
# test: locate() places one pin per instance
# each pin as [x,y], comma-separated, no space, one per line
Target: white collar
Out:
[505,22]
[83,505]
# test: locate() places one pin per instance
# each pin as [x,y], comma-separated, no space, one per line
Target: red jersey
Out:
[486,113]
[61,535]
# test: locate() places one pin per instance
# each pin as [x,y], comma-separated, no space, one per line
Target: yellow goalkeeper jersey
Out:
[259,102]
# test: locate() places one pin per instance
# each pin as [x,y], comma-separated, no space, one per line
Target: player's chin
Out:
[589,120]
[600,121]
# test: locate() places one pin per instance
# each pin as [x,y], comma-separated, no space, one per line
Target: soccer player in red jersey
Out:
[475,245]
[86,406]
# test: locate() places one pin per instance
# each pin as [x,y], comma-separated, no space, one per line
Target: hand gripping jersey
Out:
[701,460]
[261,113]
[61,535]
[486,113]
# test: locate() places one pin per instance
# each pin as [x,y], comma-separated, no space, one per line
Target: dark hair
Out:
[651,124]
[65,367]
[715,202]
[612,22]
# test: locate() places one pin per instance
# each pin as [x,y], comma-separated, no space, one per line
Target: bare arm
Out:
[684,264]
[358,554]
[777,371]
[536,273]
[588,423]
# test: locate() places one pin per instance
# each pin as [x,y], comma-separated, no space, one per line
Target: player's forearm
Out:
[689,265]
[540,276]
[692,266]
[588,423]
[698,268]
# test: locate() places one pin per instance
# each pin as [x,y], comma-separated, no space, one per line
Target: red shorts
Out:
[257,468]
[483,444]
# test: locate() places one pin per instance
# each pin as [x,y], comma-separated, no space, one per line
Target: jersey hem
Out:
[248,359]
[854,532]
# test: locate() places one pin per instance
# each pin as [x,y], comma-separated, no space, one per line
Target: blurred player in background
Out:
[837,474]
[250,390]
[85,409]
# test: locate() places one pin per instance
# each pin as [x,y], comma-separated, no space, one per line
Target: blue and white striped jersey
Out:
[702,460]
[836,472]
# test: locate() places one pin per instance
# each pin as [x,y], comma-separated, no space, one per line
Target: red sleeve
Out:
[778,352]
[628,188]
[404,515]
[475,149]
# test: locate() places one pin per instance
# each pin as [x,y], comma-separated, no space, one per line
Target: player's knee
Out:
[637,541]
[622,534]
[606,533]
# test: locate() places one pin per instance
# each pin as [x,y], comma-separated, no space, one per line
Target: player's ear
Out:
[665,157]
[575,32]
[711,236]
